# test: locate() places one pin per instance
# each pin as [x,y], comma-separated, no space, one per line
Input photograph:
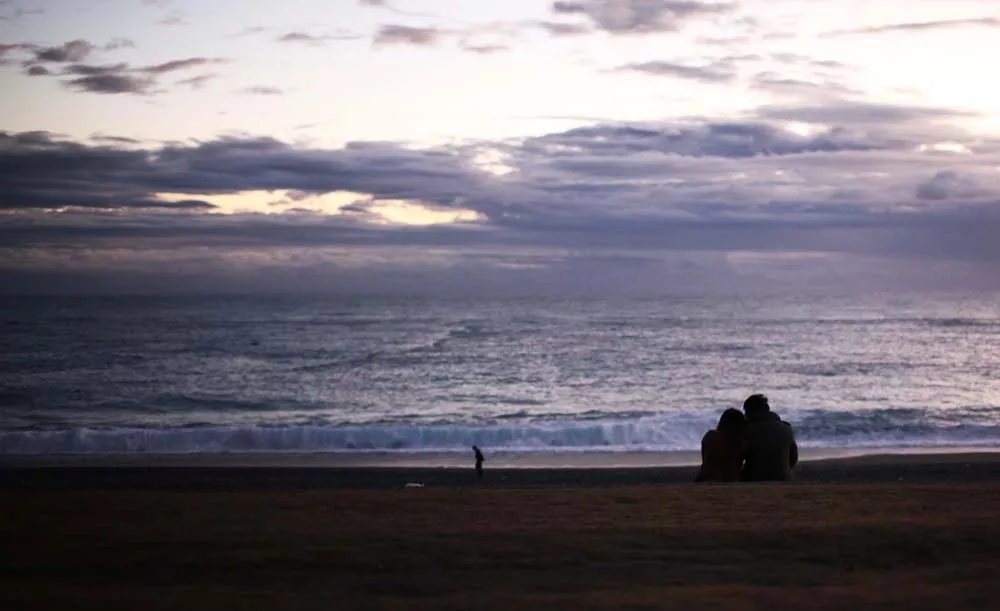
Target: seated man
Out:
[771,449]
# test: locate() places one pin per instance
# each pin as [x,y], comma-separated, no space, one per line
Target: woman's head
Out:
[731,421]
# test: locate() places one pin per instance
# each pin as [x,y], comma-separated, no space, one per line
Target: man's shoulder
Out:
[769,424]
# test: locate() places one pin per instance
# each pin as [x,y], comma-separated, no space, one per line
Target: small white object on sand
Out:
[413,485]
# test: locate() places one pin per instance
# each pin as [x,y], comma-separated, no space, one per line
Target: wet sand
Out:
[908,532]
[310,472]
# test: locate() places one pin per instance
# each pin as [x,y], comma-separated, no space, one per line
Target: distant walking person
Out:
[771,449]
[723,449]
[479,461]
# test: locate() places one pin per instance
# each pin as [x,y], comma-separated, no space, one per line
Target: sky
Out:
[467,147]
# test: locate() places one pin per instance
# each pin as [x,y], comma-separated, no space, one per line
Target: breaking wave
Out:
[888,428]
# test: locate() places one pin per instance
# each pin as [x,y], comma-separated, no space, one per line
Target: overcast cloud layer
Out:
[774,160]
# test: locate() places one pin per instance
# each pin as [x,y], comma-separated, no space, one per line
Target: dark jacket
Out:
[771,452]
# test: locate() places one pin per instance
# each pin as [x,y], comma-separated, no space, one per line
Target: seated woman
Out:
[723,449]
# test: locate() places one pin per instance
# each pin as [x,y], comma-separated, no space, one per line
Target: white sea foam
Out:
[657,433]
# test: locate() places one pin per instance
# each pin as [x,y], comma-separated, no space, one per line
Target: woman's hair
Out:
[731,422]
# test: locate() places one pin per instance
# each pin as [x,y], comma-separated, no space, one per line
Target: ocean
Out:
[206,375]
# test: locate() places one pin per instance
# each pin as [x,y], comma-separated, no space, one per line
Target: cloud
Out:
[93,70]
[197,82]
[860,113]
[262,90]
[705,74]
[43,171]
[300,37]
[640,16]
[560,28]
[641,196]
[805,60]
[483,39]
[950,185]
[799,88]
[988,22]
[181,64]
[19,154]
[72,51]
[17,13]
[250,30]
[406,35]
[383,4]
[117,78]
[119,43]
[733,140]
[12,48]
[311,39]
[483,49]
[108,79]
[118,140]
[173,18]
[112,83]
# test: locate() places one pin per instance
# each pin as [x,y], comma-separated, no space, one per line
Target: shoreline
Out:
[241,475]
[461,460]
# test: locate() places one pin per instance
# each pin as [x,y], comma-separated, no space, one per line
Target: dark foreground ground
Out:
[848,534]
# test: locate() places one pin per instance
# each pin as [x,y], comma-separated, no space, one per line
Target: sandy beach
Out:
[892,531]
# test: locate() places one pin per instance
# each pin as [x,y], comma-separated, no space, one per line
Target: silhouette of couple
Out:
[757,447]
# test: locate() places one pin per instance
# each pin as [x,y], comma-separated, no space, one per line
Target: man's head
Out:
[756,405]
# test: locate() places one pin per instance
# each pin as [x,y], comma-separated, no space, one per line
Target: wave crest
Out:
[663,432]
